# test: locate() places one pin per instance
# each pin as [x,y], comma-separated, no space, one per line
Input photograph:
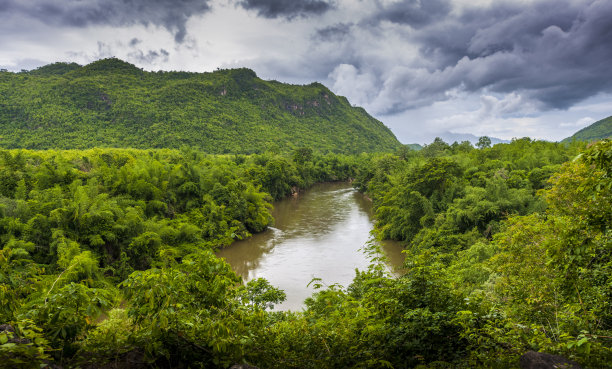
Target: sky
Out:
[506,69]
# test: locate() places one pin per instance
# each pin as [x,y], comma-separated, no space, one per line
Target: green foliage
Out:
[107,256]
[19,278]
[522,241]
[109,339]
[111,103]
[67,312]
[376,322]
[192,312]
[261,294]
[76,224]
[543,283]
[23,346]
[484,142]
[447,195]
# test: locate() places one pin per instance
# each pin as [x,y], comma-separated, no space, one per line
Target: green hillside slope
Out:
[596,131]
[111,103]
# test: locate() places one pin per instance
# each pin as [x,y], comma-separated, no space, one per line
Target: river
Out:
[319,233]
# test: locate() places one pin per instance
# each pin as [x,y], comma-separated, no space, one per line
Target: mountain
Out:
[414,146]
[111,103]
[450,137]
[596,131]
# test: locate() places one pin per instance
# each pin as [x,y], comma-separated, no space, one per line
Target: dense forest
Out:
[111,103]
[107,258]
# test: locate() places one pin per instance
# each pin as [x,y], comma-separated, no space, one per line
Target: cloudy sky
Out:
[537,68]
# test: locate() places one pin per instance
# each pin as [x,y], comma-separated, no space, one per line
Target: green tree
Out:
[484,142]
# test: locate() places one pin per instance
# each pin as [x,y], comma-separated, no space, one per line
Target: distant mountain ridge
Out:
[596,131]
[111,103]
[451,137]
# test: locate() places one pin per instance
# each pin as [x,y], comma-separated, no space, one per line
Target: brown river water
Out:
[318,234]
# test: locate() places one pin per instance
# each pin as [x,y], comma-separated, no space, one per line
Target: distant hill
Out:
[450,137]
[111,103]
[596,131]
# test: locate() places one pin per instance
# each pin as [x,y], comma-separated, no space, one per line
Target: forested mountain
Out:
[596,131]
[111,103]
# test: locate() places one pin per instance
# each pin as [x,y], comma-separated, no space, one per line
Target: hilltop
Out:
[596,131]
[111,103]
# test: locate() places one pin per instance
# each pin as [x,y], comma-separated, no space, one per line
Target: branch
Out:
[58,277]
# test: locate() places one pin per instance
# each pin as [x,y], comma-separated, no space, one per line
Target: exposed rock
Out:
[540,360]
[6,328]
[12,337]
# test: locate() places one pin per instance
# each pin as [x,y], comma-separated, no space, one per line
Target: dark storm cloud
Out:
[149,56]
[556,53]
[333,33]
[559,52]
[135,41]
[139,56]
[171,14]
[416,13]
[287,8]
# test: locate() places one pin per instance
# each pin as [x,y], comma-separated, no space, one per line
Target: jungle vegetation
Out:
[111,103]
[107,257]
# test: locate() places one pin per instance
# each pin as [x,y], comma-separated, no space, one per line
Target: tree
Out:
[302,155]
[437,148]
[484,142]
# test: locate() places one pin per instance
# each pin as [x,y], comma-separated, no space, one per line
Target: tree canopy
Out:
[107,257]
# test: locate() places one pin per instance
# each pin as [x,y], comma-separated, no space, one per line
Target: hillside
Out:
[596,131]
[111,103]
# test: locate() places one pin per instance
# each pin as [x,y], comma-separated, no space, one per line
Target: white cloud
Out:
[466,113]
[348,81]
[580,123]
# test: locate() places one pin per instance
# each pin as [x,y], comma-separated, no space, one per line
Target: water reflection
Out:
[317,234]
